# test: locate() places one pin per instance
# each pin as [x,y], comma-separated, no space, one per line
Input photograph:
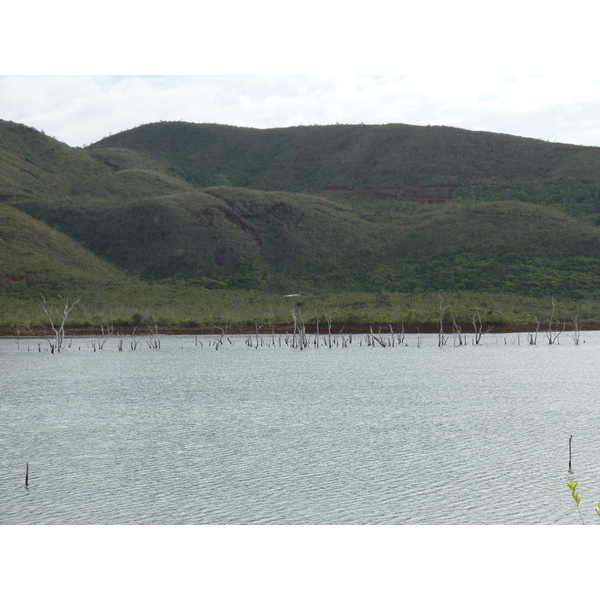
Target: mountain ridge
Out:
[321,209]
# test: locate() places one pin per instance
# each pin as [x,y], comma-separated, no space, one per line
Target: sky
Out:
[524,68]
[79,110]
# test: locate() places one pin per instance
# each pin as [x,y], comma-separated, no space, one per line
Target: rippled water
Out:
[412,434]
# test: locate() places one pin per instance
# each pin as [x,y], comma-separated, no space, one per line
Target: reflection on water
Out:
[411,434]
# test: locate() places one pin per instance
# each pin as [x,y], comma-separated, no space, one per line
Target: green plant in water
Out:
[573,487]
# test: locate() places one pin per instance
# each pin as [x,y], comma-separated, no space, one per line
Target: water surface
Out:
[409,434]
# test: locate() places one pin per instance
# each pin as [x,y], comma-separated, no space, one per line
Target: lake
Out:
[198,432]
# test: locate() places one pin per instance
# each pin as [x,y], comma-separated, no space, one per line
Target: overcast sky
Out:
[79,110]
[528,68]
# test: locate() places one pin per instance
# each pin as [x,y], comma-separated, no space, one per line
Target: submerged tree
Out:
[532,337]
[576,336]
[457,330]
[550,334]
[57,320]
[442,339]
[478,326]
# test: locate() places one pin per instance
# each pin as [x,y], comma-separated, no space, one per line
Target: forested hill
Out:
[312,208]
[405,162]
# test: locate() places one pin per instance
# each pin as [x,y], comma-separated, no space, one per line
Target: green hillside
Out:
[220,237]
[180,209]
[396,161]
[33,165]
[36,257]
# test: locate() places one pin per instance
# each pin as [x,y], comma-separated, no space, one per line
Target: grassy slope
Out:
[387,208]
[30,251]
[33,164]
[233,235]
[404,158]
[278,241]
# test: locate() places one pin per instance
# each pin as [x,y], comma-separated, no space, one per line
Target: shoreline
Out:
[466,329]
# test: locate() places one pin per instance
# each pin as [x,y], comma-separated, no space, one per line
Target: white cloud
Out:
[82,109]
[517,67]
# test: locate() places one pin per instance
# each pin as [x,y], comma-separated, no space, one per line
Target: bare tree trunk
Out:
[441,338]
[303,336]
[401,334]
[154,341]
[329,323]
[317,324]
[576,334]
[295,327]
[105,336]
[374,339]
[478,326]
[570,440]
[456,328]
[553,335]
[549,334]
[223,334]
[532,338]
[134,342]
[58,329]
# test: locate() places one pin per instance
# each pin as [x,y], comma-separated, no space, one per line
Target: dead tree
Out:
[317,321]
[550,334]
[295,328]
[478,326]
[223,334]
[61,318]
[329,320]
[303,338]
[442,339]
[374,338]
[576,332]
[457,330]
[257,328]
[401,335]
[299,339]
[154,341]
[532,337]
[105,335]
[134,343]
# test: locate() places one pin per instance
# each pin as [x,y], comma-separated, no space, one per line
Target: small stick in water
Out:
[27,475]
[570,439]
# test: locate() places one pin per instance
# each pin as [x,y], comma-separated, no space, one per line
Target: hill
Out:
[393,162]
[321,209]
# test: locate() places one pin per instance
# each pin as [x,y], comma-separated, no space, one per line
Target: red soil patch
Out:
[467,328]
